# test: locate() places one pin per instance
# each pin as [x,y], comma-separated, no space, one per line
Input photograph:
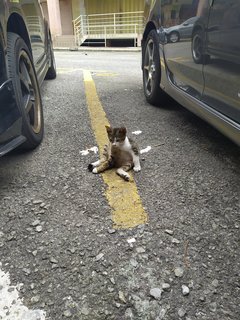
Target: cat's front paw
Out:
[94,170]
[137,168]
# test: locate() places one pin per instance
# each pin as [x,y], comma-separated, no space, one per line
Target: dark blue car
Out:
[26,59]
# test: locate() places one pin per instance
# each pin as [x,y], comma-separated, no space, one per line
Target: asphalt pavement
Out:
[62,254]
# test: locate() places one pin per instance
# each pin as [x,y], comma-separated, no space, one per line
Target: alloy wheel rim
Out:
[197,47]
[29,92]
[149,67]
[174,37]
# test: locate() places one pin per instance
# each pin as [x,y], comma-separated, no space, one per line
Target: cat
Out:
[121,153]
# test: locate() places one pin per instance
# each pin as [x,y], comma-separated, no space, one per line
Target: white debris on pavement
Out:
[185,290]
[137,132]
[11,306]
[131,240]
[156,293]
[86,152]
[147,149]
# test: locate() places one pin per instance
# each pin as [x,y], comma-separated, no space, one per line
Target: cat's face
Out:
[116,135]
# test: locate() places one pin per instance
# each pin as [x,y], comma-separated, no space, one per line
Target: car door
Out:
[184,71]
[222,73]
[35,23]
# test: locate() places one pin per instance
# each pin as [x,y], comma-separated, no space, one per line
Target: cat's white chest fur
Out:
[126,146]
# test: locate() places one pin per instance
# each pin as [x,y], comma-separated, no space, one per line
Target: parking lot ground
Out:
[57,233]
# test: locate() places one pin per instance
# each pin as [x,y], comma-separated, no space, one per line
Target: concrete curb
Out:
[109,49]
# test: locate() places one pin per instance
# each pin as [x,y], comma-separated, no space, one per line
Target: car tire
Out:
[26,88]
[174,37]
[52,71]
[151,69]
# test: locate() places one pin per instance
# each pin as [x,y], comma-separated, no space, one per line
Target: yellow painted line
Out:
[123,197]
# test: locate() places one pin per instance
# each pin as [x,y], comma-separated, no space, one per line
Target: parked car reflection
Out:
[181,31]
[219,41]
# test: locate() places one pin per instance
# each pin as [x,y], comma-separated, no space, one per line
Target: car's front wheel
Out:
[151,69]
[26,88]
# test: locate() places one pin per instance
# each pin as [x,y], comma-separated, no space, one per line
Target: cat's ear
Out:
[123,130]
[108,128]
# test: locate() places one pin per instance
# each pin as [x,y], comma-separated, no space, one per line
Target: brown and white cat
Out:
[121,153]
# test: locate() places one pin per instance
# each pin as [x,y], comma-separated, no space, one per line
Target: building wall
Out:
[131,5]
[66,17]
[110,6]
[78,7]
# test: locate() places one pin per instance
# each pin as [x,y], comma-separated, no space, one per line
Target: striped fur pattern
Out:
[121,153]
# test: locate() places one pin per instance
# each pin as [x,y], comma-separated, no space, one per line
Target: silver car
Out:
[181,31]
